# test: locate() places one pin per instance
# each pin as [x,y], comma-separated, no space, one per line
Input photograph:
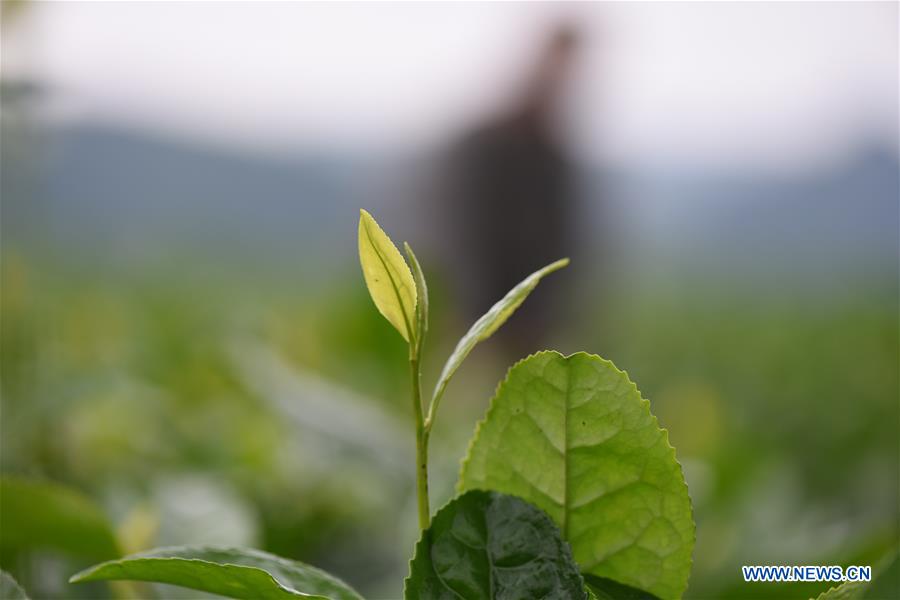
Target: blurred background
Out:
[186,335]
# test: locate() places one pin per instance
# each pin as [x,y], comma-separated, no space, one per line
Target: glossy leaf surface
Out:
[485,545]
[573,436]
[232,572]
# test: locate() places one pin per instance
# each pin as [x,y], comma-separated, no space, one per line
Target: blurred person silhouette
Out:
[510,200]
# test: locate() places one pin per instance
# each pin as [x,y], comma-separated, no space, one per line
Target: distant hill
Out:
[845,217]
[108,196]
[116,196]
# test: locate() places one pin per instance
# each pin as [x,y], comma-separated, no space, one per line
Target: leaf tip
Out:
[364,219]
[79,577]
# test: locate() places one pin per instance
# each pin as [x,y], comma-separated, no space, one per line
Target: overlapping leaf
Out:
[232,572]
[486,545]
[573,436]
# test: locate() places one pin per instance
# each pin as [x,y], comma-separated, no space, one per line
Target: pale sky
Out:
[703,84]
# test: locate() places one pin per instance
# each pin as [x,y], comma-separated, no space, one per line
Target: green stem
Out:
[421,448]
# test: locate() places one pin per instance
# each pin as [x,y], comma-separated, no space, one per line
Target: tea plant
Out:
[569,488]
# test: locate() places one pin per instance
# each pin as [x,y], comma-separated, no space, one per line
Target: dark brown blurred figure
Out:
[512,200]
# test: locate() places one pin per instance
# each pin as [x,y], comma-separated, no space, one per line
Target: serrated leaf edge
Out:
[644,402]
[836,588]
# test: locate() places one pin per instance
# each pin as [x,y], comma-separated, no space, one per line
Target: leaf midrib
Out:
[409,331]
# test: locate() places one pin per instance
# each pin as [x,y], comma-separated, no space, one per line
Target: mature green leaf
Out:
[486,545]
[388,277]
[421,299]
[10,588]
[487,324]
[39,514]
[573,436]
[607,589]
[232,572]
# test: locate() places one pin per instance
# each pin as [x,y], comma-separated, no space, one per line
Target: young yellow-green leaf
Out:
[232,572]
[388,277]
[486,546]
[573,436]
[421,299]
[10,588]
[41,514]
[487,324]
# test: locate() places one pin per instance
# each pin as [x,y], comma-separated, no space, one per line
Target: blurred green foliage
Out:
[138,391]
[48,515]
